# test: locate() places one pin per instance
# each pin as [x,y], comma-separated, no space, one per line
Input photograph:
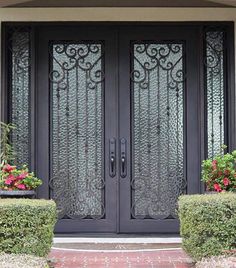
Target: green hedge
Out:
[208,224]
[26,226]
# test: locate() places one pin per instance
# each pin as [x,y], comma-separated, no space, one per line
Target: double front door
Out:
[117,125]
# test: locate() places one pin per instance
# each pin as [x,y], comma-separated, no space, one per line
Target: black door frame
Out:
[230,101]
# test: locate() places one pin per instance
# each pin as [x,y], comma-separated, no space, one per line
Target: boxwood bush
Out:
[208,224]
[26,226]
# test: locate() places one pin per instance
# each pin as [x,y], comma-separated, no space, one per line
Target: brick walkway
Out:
[154,259]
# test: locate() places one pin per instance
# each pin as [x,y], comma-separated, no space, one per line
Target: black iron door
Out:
[159,125]
[117,125]
[77,125]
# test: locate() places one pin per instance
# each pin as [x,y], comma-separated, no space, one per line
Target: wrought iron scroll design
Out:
[158,179]
[77,183]
[214,84]
[19,82]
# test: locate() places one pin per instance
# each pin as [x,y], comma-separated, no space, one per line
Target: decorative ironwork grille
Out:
[215,80]
[158,117]
[76,89]
[19,82]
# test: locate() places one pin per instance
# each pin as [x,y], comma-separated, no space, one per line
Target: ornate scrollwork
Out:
[86,57]
[157,77]
[77,184]
[19,62]
[214,73]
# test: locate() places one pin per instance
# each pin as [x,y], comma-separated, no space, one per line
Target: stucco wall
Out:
[118,14]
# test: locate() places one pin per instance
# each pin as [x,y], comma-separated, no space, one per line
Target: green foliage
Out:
[26,226]
[12,178]
[219,173]
[7,153]
[207,224]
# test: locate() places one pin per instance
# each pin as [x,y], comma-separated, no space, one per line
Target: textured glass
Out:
[215,91]
[158,107]
[77,129]
[20,88]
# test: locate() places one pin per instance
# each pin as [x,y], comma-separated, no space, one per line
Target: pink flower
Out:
[8,168]
[22,176]
[11,177]
[21,186]
[214,163]
[226,181]
[217,187]
[8,181]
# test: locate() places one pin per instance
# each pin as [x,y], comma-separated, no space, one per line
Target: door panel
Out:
[117,129]
[157,137]
[77,84]
[154,87]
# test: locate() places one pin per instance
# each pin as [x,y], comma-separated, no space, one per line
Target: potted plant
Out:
[14,181]
[219,173]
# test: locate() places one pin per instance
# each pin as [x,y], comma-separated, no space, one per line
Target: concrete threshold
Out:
[126,240]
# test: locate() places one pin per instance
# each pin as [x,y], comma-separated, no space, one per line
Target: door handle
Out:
[112,157]
[123,158]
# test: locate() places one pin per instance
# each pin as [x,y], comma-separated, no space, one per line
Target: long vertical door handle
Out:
[112,157]
[123,158]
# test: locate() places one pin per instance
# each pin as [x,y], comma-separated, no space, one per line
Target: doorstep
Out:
[120,240]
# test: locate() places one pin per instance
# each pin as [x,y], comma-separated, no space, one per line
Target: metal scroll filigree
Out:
[214,77]
[77,183]
[19,51]
[158,154]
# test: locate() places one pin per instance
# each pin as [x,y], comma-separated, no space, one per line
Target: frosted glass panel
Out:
[215,91]
[77,129]
[158,130]
[20,88]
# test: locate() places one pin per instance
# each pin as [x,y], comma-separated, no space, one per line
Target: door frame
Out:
[230,76]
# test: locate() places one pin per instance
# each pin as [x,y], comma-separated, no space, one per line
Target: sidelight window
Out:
[215,90]
[18,83]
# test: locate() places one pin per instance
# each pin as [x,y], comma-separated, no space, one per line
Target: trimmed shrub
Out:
[208,224]
[26,226]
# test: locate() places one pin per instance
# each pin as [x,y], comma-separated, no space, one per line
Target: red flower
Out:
[220,173]
[11,177]
[217,187]
[22,176]
[226,181]
[227,172]
[8,168]
[214,163]
[8,181]
[21,186]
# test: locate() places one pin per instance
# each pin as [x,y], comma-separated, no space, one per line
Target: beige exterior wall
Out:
[118,14]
